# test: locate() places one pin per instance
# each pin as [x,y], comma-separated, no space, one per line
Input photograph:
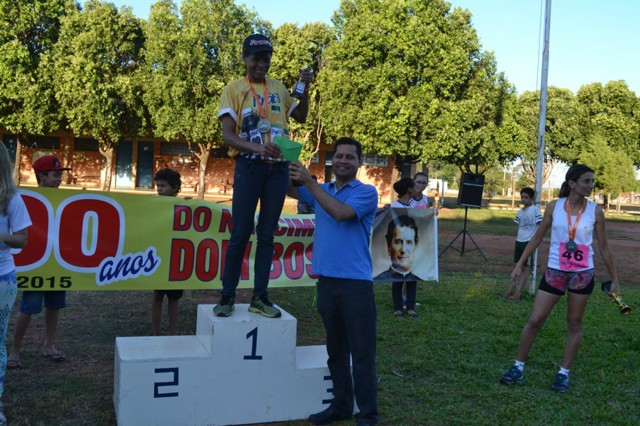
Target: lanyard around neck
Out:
[573,228]
[262,108]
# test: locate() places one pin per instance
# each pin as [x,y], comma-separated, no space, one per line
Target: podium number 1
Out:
[253,335]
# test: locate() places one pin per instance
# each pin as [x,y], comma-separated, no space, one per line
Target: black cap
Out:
[256,43]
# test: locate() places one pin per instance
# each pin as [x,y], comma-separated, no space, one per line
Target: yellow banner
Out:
[108,241]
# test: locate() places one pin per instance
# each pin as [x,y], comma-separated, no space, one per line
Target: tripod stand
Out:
[464,234]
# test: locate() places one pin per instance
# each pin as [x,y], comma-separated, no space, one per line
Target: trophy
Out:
[624,309]
[300,87]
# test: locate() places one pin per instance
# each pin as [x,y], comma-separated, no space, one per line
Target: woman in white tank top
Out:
[573,219]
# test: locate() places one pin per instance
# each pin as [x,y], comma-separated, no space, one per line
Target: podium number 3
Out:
[253,335]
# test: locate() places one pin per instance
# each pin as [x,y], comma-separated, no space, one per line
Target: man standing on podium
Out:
[345,210]
[260,173]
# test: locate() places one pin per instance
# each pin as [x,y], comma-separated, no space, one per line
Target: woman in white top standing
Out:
[14,221]
[573,220]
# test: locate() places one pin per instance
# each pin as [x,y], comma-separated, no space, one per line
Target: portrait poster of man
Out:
[404,246]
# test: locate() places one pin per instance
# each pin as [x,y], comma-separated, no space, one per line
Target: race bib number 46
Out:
[576,260]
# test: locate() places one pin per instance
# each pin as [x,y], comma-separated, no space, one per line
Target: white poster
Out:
[404,245]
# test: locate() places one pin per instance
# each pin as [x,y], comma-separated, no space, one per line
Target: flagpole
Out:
[541,126]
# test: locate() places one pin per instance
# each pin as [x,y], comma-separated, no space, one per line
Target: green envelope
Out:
[290,149]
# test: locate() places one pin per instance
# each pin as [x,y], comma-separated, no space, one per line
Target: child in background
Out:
[419,200]
[48,170]
[167,184]
[403,293]
[528,219]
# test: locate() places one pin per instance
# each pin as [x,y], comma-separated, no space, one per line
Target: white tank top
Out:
[558,255]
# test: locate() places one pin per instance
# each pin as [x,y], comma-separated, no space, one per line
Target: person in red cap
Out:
[48,171]
[254,110]
[49,175]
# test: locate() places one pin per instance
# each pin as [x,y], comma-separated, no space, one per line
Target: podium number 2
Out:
[158,385]
[253,335]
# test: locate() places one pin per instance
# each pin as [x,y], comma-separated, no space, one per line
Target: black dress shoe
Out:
[327,416]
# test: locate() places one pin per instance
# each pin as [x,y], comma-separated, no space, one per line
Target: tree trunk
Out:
[18,160]
[395,174]
[107,150]
[203,157]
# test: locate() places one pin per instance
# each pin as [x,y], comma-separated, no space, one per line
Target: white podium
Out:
[241,369]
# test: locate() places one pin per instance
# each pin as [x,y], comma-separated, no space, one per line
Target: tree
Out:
[189,61]
[28,30]
[614,169]
[95,62]
[400,73]
[479,131]
[493,181]
[562,130]
[612,111]
[296,48]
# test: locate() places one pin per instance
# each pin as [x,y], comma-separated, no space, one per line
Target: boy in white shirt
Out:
[528,219]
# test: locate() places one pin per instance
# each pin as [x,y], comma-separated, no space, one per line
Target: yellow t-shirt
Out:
[237,96]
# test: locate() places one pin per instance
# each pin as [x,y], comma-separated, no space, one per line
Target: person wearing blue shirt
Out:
[345,210]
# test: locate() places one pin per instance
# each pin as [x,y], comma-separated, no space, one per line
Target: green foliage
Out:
[409,78]
[28,31]
[189,60]
[614,169]
[562,130]
[441,170]
[494,181]
[594,127]
[296,48]
[95,61]
[612,110]
[479,131]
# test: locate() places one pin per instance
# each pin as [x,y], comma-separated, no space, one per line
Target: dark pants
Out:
[396,294]
[253,181]
[348,310]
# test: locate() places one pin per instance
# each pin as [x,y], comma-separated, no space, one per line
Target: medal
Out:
[264,126]
[571,245]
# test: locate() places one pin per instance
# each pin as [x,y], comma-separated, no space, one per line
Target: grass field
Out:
[439,369]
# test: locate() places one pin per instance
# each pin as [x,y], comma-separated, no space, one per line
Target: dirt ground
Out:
[623,237]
